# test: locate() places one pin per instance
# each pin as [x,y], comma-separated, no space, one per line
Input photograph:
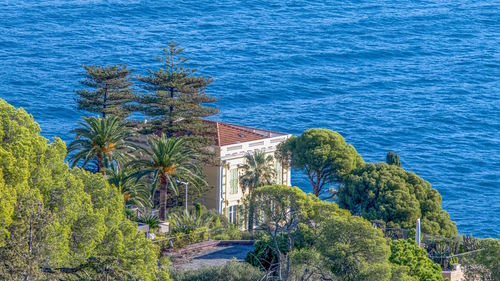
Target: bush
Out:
[195,236]
[483,264]
[232,271]
[263,255]
[130,214]
[197,217]
[150,220]
[406,253]
[232,232]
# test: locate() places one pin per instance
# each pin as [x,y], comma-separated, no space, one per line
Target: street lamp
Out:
[185,183]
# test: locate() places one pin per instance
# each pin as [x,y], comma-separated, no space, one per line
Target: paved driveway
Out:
[214,256]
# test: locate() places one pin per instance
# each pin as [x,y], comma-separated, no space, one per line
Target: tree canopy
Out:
[302,228]
[398,197]
[414,260]
[322,154]
[258,170]
[100,142]
[61,223]
[112,92]
[482,260]
[392,158]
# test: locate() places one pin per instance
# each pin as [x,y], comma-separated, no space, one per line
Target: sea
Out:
[421,78]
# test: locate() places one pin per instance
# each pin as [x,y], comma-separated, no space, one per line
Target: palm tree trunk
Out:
[163,198]
[100,164]
[251,216]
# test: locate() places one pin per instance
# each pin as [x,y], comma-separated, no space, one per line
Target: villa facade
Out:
[233,143]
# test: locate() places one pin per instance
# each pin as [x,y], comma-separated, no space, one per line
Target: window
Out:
[233,181]
[279,173]
[232,214]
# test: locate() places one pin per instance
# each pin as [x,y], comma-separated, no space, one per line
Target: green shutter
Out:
[279,173]
[233,182]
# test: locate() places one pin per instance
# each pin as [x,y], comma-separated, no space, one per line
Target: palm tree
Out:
[168,160]
[259,171]
[134,191]
[99,140]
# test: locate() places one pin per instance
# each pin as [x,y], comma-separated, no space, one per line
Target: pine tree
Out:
[112,92]
[176,100]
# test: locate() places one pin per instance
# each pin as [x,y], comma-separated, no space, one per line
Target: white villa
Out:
[233,143]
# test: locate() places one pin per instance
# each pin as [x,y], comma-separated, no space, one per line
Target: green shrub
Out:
[406,253]
[262,256]
[245,235]
[150,220]
[195,236]
[232,271]
[232,232]
[130,214]
[197,217]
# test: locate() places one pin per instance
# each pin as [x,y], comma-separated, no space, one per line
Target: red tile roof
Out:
[228,134]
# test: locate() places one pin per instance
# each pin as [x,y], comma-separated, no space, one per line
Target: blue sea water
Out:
[418,77]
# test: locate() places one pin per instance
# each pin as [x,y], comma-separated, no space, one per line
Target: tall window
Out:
[279,173]
[231,214]
[233,181]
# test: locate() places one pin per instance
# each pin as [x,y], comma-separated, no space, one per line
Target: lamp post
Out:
[418,233]
[185,183]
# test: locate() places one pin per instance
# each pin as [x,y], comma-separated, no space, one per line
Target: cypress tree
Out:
[176,101]
[111,94]
[392,158]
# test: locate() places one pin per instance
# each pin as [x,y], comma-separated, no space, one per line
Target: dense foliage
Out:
[482,262]
[301,227]
[61,223]
[174,102]
[398,197]
[322,154]
[232,271]
[414,261]
[99,143]
[135,192]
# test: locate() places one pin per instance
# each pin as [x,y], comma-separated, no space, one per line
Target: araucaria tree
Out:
[168,160]
[176,101]
[111,92]
[322,154]
[100,141]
